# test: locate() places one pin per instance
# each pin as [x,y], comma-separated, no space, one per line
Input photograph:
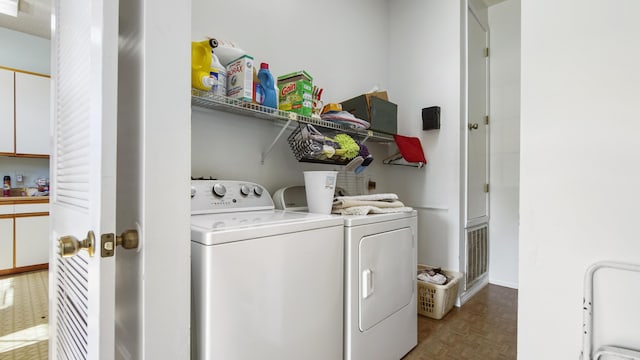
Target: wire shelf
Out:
[208,100]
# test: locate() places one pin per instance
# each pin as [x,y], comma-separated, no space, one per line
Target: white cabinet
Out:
[32,109]
[6,243]
[32,240]
[24,236]
[6,111]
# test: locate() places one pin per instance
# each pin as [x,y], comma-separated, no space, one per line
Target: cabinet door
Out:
[6,243]
[6,111]
[32,114]
[32,240]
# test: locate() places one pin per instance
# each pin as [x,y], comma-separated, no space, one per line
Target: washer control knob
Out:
[219,190]
[244,190]
[257,190]
[193,192]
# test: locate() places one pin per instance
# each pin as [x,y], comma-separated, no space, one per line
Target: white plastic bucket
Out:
[320,187]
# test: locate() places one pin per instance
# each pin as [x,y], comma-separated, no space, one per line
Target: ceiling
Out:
[34,17]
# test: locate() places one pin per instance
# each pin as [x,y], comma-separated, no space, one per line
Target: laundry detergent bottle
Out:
[218,74]
[201,64]
[267,87]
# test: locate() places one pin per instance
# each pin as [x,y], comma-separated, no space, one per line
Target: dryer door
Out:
[386,275]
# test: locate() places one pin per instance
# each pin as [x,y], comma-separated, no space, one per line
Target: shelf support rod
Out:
[273,143]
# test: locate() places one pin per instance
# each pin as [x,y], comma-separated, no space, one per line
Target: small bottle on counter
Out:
[6,188]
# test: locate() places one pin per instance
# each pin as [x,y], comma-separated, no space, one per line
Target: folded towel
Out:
[373,197]
[345,203]
[364,210]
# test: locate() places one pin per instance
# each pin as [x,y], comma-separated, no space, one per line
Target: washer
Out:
[380,319]
[266,284]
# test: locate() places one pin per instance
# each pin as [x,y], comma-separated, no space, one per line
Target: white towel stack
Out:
[366,204]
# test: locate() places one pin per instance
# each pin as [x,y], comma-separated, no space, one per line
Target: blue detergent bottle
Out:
[267,87]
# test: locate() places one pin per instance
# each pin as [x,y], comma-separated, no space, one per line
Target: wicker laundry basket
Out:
[435,301]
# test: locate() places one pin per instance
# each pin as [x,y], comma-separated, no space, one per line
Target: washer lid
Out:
[210,229]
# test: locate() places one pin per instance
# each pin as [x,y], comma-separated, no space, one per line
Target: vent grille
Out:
[477,254]
[72,296]
[72,82]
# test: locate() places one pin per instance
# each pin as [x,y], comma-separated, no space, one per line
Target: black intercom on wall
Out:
[431,118]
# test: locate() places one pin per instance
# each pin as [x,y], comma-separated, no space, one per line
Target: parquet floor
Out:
[24,329]
[482,329]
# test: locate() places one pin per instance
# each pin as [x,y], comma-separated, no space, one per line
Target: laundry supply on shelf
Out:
[201,63]
[295,93]
[266,88]
[218,74]
[240,78]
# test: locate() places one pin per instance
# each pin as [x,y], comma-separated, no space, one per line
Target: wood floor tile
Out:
[482,329]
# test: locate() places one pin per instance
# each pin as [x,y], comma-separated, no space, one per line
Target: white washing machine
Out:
[266,284]
[380,310]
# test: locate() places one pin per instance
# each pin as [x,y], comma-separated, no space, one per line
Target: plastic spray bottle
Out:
[267,87]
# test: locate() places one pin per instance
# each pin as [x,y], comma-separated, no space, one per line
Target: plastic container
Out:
[266,88]
[218,74]
[319,187]
[435,301]
[201,63]
[6,187]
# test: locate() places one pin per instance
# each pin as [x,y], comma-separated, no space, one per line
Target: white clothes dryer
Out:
[266,284]
[380,307]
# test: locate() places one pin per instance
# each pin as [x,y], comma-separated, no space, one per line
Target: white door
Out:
[477,141]
[386,276]
[83,174]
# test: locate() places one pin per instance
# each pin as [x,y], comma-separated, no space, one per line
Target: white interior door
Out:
[477,141]
[83,176]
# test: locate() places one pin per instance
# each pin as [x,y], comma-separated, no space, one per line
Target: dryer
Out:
[380,306]
[266,284]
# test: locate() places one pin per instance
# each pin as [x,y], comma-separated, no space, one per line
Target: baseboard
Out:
[504,283]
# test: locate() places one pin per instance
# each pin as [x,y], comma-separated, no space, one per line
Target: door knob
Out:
[69,245]
[128,239]
[473,126]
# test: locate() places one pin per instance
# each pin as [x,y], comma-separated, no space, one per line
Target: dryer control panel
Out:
[214,196]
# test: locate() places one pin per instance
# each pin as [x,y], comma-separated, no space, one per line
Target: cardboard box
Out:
[240,78]
[376,109]
[295,93]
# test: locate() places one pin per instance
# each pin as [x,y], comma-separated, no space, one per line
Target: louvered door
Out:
[83,171]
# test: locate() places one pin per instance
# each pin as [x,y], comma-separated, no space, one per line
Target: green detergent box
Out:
[295,93]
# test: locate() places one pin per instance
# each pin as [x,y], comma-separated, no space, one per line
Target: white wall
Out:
[579,161]
[425,56]
[25,52]
[342,44]
[504,128]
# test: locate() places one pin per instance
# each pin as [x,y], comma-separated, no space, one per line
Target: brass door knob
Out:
[473,126]
[69,245]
